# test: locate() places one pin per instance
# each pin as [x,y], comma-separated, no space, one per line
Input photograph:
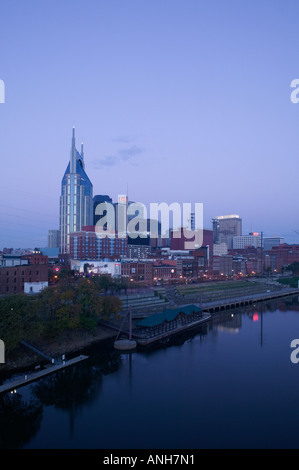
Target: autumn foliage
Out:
[68,305]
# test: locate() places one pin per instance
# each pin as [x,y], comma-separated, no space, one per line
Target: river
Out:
[228,384]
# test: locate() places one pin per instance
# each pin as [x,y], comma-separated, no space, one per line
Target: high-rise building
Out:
[121,215]
[225,227]
[76,205]
[53,239]
[100,199]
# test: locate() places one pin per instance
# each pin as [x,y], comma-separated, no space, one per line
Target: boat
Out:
[126,344]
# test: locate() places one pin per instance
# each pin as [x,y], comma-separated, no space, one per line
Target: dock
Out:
[32,377]
[242,301]
[160,331]
[164,336]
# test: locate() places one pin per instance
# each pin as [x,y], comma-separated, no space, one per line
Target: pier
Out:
[156,326]
[26,379]
[241,301]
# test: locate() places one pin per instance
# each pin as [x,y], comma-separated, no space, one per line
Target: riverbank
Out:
[22,358]
[74,342]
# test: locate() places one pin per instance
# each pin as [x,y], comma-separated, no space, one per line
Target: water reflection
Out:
[20,420]
[73,387]
[188,363]
[178,340]
[68,389]
[230,322]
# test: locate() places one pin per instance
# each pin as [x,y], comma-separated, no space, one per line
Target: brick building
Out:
[178,243]
[12,279]
[36,258]
[86,245]
[137,270]
[164,269]
[283,255]
[223,265]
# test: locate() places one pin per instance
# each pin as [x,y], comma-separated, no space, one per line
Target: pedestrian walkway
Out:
[24,380]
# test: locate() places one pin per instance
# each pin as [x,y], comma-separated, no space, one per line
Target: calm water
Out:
[231,385]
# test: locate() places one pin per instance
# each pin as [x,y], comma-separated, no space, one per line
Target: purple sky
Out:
[185,101]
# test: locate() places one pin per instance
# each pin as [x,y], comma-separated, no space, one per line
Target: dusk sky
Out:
[178,101]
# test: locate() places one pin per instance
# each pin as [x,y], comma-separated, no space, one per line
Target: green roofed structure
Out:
[167,315]
[161,325]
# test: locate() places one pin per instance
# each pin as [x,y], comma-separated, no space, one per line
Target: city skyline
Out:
[174,102]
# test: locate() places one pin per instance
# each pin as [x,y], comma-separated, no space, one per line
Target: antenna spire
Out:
[73,153]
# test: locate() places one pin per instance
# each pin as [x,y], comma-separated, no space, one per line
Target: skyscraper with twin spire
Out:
[76,205]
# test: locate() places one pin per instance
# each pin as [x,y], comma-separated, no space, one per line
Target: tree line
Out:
[70,304]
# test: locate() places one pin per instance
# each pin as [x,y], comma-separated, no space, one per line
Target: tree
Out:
[18,319]
[104,283]
[91,303]
[67,305]
[111,306]
[294,267]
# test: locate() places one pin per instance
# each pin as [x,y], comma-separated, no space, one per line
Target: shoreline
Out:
[23,359]
[69,343]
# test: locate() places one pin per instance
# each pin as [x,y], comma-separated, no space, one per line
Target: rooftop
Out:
[167,315]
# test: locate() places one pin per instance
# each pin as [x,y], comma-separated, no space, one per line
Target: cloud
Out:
[122,155]
[104,162]
[123,140]
[130,152]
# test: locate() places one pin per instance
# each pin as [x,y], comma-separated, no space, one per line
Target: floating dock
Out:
[33,376]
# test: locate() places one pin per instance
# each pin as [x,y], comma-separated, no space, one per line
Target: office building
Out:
[225,227]
[53,239]
[246,241]
[220,249]
[76,204]
[270,242]
[100,199]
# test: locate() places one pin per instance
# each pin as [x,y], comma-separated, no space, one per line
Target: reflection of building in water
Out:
[231,322]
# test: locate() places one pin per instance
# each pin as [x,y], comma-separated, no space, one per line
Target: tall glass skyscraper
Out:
[76,205]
